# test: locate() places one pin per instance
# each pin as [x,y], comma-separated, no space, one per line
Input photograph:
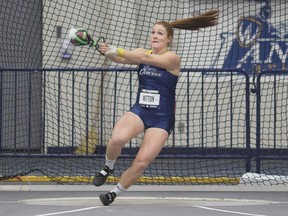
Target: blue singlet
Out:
[155,103]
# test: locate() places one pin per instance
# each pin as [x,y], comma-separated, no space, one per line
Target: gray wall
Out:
[20,47]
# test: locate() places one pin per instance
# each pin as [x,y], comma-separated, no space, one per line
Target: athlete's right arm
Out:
[120,60]
[104,47]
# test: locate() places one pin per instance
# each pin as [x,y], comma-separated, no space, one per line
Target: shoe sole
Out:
[104,200]
[98,183]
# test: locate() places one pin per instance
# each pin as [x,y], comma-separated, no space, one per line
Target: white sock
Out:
[109,163]
[118,189]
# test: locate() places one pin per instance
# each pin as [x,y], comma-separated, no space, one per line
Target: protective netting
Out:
[34,33]
[80,109]
[57,117]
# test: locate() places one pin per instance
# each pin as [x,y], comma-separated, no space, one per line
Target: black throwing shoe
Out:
[100,178]
[107,198]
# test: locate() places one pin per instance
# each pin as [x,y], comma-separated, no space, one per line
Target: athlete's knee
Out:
[117,141]
[141,164]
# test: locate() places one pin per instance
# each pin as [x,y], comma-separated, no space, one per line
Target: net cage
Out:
[59,102]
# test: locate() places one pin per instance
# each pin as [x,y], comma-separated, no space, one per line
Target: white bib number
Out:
[149,98]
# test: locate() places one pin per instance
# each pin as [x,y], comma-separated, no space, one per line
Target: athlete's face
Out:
[159,38]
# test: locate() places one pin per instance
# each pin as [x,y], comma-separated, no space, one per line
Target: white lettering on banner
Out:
[257,44]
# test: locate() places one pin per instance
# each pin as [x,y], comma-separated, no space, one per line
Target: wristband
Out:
[121,52]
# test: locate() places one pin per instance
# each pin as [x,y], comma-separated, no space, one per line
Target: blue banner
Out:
[258,45]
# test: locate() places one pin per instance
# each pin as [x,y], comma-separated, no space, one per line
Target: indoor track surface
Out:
[43,201]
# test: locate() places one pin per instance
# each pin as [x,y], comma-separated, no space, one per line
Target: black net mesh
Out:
[59,102]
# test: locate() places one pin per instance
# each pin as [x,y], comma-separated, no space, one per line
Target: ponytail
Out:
[207,19]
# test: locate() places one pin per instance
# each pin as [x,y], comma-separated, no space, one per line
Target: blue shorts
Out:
[154,120]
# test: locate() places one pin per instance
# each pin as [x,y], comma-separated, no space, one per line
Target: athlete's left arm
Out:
[169,60]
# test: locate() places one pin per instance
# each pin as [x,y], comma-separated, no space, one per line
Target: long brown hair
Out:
[207,19]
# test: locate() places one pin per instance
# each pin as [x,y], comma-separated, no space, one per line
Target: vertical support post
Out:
[248,128]
[258,125]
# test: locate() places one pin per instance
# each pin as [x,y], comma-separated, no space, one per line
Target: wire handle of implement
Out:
[97,44]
